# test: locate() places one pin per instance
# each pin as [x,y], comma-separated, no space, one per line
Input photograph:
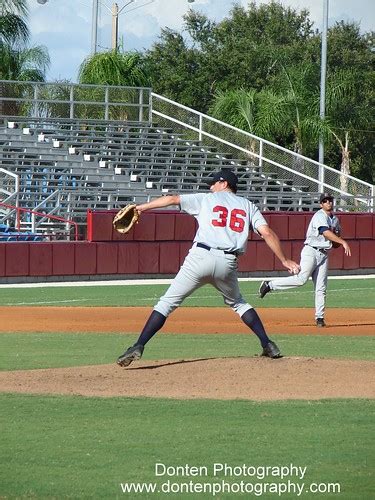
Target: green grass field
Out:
[341,293]
[56,447]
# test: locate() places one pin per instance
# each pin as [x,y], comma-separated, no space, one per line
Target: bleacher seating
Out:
[10,234]
[103,165]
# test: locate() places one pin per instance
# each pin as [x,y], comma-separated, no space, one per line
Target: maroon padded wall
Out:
[364,227]
[2,259]
[148,257]
[63,259]
[367,254]
[161,241]
[17,259]
[106,258]
[85,258]
[169,258]
[128,261]
[40,259]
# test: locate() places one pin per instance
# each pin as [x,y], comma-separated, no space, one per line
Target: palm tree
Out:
[29,64]
[272,115]
[17,60]
[114,68]
[287,113]
[13,27]
[238,107]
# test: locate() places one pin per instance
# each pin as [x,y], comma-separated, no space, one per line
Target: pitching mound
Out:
[257,378]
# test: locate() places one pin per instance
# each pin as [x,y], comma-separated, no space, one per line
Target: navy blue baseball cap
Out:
[224,175]
[325,196]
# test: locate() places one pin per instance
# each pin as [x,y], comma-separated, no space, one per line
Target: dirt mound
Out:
[255,378]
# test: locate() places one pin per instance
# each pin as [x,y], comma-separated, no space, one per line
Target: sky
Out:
[65,26]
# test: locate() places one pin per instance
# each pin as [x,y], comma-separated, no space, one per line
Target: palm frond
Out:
[13,29]
[114,68]
[18,7]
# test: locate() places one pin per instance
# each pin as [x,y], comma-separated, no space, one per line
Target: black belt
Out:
[322,250]
[206,247]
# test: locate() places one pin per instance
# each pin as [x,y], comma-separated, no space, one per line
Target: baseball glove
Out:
[125,218]
[335,245]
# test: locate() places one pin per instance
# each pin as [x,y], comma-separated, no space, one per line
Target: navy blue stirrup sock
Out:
[153,325]
[253,321]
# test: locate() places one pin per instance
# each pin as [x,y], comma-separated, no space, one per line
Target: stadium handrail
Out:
[366,197]
[41,214]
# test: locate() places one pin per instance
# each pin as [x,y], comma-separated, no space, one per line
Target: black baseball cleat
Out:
[271,350]
[320,322]
[132,354]
[264,289]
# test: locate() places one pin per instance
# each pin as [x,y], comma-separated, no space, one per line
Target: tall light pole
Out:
[94,26]
[94,23]
[115,13]
[323,72]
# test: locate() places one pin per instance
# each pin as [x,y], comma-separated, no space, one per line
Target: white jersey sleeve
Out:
[321,219]
[224,219]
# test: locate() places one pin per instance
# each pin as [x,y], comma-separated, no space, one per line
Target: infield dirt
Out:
[183,320]
[247,377]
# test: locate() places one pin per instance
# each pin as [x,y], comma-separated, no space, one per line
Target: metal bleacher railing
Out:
[351,193]
[68,229]
[65,148]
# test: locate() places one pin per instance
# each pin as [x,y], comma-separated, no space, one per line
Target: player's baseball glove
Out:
[335,245]
[125,218]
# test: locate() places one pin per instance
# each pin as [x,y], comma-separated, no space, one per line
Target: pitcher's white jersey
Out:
[224,219]
[321,219]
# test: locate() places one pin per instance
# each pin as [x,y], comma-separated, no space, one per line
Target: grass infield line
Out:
[155,281]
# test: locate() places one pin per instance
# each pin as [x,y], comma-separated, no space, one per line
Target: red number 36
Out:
[236,218]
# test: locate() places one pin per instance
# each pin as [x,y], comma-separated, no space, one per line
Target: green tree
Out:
[242,51]
[13,27]
[350,100]
[28,64]
[246,47]
[287,109]
[114,68]
[285,113]
[177,70]
[18,61]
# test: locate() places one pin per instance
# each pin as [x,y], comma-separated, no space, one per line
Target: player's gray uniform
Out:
[224,220]
[314,260]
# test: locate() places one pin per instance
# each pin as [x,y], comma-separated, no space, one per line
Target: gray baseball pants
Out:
[313,263]
[203,267]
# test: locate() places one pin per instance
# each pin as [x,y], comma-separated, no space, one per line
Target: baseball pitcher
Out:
[224,221]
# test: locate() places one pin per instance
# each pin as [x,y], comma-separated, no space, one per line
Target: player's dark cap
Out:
[224,175]
[325,196]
